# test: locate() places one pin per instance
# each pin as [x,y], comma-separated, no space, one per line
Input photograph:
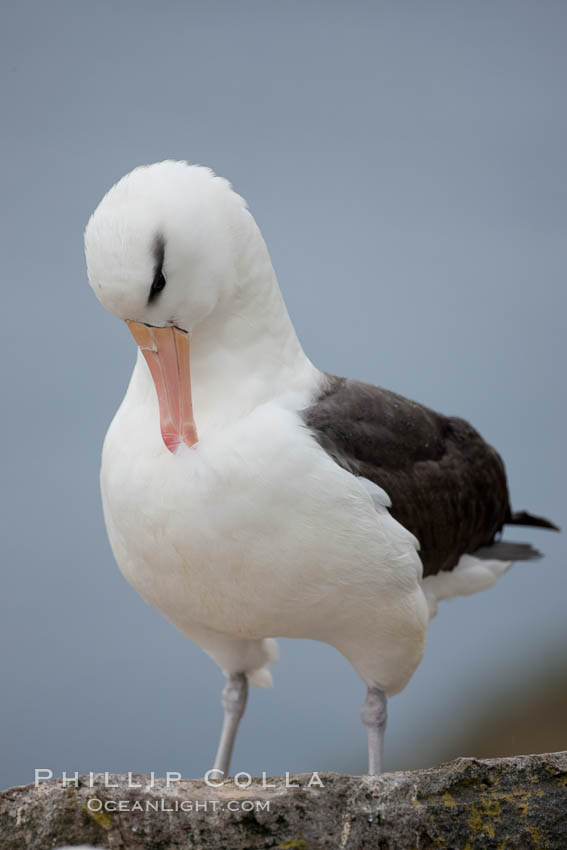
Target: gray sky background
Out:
[406,163]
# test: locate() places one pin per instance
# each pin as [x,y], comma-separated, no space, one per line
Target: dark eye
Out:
[157,285]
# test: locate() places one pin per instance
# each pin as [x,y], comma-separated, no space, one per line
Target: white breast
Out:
[256,532]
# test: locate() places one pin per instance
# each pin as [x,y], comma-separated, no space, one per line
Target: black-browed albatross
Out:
[248,495]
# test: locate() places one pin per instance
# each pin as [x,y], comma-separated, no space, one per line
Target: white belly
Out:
[255,532]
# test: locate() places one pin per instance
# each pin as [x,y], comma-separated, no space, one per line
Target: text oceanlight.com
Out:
[95,804]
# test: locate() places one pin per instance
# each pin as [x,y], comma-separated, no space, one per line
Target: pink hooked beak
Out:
[166,351]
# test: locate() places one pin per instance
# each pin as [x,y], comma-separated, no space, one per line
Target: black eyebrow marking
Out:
[159,251]
[159,280]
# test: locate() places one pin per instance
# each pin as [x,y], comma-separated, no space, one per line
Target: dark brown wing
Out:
[447,485]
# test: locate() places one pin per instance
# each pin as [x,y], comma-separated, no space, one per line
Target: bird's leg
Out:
[234,696]
[373,716]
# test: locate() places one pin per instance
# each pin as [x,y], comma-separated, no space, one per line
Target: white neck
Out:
[247,352]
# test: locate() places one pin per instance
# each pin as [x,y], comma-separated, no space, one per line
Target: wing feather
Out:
[446,484]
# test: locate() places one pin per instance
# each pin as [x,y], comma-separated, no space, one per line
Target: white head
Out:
[161,246]
[174,252]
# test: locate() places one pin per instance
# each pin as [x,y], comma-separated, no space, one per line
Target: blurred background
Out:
[406,163]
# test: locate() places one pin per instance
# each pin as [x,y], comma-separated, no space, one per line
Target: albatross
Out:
[248,495]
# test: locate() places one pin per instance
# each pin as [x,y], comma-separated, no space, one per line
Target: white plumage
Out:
[254,532]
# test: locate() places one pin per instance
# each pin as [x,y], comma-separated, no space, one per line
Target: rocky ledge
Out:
[499,803]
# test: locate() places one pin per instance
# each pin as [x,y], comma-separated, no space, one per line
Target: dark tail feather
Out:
[508,550]
[524,518]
